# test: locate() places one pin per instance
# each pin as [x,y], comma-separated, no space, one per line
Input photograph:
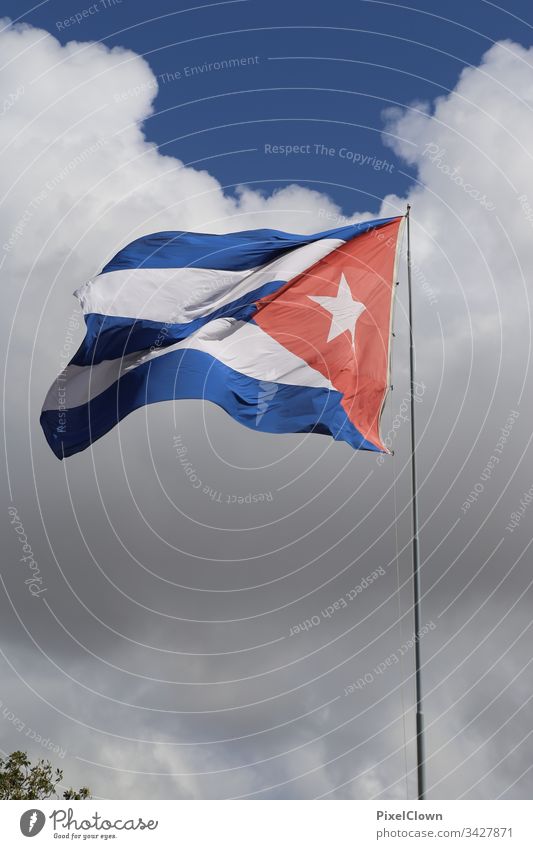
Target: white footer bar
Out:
[267,824]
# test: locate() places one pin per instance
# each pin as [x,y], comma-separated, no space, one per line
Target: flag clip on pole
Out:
[420,755]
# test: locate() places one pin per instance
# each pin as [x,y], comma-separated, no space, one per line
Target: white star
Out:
[344,310]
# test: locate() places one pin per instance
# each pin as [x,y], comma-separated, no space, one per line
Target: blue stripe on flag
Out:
[109,337]
[268,407]
[226,252]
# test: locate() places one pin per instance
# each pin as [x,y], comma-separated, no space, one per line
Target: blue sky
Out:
[376,55]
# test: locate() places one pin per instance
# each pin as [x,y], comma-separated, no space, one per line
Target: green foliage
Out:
[20,780]
[82,793]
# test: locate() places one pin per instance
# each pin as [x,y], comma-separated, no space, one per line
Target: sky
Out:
[162,658]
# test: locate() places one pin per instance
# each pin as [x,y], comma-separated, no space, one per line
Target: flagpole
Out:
[420,756]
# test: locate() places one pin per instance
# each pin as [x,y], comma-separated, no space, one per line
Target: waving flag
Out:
[287,333]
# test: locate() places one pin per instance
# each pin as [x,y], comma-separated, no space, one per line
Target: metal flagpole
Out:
[420,757]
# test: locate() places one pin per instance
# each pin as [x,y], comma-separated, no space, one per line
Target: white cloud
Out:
[78,172]
[473,161]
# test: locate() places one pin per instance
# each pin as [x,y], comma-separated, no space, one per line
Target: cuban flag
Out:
[287,333]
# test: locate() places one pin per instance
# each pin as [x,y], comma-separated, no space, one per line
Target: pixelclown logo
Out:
[32,822]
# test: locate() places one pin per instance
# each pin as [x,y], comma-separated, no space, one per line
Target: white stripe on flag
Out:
[179,295]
